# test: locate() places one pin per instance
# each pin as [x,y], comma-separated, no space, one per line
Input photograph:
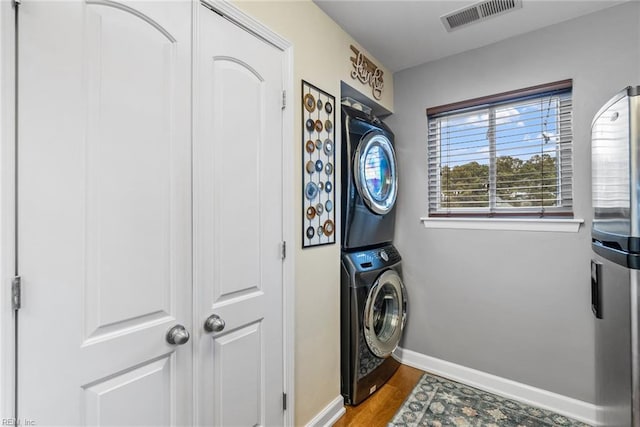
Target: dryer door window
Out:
[375,172]
[385,314]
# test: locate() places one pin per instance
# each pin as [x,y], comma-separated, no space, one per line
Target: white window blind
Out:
[506,155]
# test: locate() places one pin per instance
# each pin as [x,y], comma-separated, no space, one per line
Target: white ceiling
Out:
[402,34]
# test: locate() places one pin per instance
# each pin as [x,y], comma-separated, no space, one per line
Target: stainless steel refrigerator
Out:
[615,267]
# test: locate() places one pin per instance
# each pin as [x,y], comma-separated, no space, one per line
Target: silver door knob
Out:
[177,335]
[214,323]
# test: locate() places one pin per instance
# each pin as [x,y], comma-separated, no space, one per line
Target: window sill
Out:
[558,225]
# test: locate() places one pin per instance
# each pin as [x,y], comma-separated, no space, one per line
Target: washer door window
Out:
[385,314]
[375,172]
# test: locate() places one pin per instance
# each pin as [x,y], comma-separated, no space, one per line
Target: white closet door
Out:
[238,226]
[104,212]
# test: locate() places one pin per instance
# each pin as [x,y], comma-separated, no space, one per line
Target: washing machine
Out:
[373,314]
[369,180]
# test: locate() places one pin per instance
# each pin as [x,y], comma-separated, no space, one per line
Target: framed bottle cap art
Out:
[318,160]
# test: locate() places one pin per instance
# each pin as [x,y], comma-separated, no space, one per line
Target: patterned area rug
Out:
[438,402]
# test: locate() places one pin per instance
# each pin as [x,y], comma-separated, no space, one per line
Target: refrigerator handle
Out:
[596,289]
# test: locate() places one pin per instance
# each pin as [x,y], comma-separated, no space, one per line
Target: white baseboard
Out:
[329,415]
[573,408]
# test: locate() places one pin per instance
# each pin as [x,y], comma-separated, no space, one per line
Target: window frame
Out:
[490,103]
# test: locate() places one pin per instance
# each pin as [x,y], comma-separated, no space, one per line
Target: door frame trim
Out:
[250,24]
[7,206]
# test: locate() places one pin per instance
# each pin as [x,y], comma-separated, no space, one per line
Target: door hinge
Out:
[284,401]
[284,250]
[284,99]
[16,293]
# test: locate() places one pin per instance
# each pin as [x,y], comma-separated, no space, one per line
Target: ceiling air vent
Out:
[478,12]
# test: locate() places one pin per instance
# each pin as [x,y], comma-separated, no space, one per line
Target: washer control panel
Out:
[374,258]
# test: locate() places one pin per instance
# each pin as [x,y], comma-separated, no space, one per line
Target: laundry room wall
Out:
[321,57]
[515,304]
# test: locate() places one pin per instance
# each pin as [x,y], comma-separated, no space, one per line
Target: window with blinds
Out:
[504,155]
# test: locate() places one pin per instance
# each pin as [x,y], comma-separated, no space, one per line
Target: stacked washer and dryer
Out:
[373,298]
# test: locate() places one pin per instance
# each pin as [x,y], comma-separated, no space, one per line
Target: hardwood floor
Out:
[378,409]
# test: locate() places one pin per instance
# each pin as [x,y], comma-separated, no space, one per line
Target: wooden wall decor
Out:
[367,72]
[318,166]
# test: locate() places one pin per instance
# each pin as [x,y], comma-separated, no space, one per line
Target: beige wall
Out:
[321,57]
